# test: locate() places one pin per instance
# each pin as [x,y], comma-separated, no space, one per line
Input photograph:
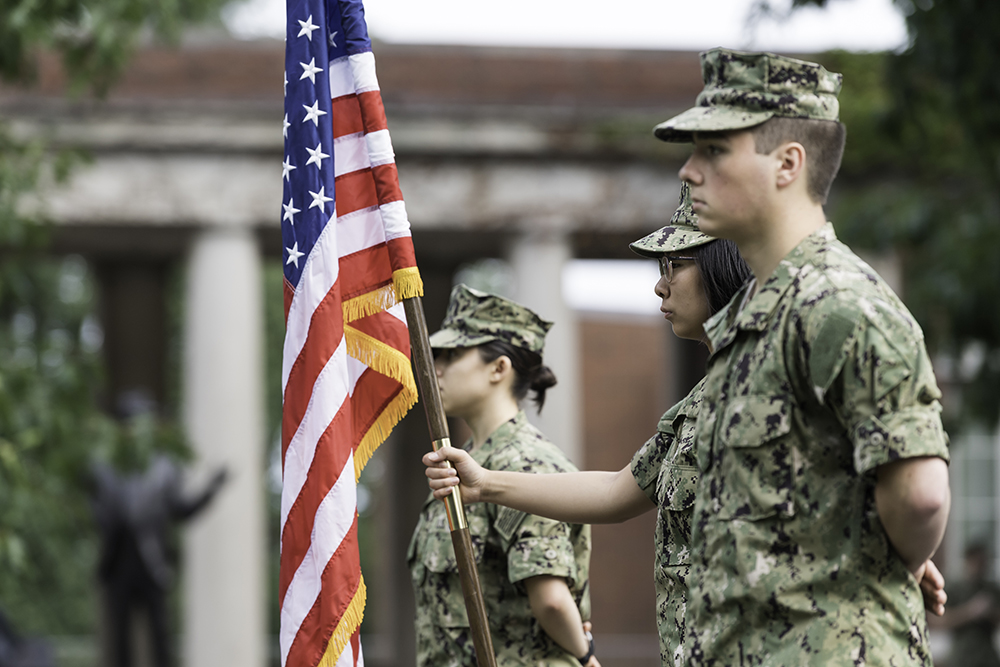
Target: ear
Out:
[501,367]
[791,164]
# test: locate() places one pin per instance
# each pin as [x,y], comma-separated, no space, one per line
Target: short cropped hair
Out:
[824,143]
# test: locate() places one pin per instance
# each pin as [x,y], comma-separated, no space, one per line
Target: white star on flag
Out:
[307,28]
[313,113]
[333,39]
[284,126]
[316,156]
[286,168]
[310,71]
[290,212]
[294,254]
[319,198]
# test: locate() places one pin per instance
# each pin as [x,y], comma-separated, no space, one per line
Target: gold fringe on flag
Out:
[408,283]
[368,304]
[392,363]
[349,622]
[376,435]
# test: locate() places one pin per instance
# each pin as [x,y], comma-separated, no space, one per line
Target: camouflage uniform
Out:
[510,546]
[818,379]
[664,467]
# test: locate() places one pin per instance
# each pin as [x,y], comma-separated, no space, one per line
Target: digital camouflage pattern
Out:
[681,233]
[819,379]
[664,468]
[475,317]
[510,546]
[745,89]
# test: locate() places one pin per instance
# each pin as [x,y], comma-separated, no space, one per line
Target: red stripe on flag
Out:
[326,330]
[356,190]
[327,464]
[364,271]
[372,394]
[371,110]
[387,328]
[347,116]
[386,183]
[340,580]
[401,255]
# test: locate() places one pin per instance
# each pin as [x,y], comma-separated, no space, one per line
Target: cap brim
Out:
[450,338]
[708,119]
[669,239]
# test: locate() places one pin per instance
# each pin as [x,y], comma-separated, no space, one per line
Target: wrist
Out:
[590,650]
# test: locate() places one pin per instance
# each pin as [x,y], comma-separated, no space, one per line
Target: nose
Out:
[688,173]
[662,288]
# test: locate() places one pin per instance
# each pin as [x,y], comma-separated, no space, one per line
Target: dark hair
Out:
[723,271]
[529,373]
[824,143]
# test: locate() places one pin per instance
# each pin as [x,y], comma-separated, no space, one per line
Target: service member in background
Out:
[534,572]
[698,276]
[824,488]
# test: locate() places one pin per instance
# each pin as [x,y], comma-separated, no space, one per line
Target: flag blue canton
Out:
[318,32]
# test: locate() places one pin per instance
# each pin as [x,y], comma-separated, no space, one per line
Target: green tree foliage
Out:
[51,427]
[921,175]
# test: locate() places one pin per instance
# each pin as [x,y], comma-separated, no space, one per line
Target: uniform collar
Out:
[502,433]
[721,328]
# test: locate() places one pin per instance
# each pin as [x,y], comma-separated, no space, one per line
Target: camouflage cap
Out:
[681,233]
[746,89]
[475,317]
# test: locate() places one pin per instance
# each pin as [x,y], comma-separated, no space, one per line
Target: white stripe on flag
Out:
[328,395]
[318,276]
[398,312]
[380,148]
[359,230]
[363,66]
[341,78]
[333,520]
[394,217]
[350,153]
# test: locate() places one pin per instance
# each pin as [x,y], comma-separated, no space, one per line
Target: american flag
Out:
[346,376]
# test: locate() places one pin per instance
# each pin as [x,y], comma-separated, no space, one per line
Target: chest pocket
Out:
[758,460]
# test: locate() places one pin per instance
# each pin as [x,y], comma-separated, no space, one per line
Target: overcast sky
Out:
[866,25]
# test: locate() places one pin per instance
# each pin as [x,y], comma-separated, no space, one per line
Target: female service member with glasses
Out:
[698,276]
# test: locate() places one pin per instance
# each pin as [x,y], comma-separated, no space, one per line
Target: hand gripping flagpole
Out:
[437,424]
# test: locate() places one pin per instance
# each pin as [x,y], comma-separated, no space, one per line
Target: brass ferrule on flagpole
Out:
[453,502]
[461,539]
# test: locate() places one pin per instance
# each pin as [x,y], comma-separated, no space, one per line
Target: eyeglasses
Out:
[667,265]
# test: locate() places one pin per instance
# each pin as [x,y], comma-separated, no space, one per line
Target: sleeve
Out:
[869,363]
[646,462]
[535,545]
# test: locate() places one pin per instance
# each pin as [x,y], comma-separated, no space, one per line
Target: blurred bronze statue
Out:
[134,513]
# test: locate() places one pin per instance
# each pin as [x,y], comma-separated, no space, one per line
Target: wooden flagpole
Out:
[437,424]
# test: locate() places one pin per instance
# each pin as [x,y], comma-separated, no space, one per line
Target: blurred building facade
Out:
[532,156]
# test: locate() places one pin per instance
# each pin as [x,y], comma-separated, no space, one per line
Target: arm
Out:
[913,498]
[573,497]
[554,607]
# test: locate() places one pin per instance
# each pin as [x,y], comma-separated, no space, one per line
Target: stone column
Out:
[224,549]
[537,258]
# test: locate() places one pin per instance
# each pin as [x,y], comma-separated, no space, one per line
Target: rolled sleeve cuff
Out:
[541,555]
[900,435]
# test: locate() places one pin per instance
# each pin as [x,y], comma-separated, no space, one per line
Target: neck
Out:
[787,229]
[491,415]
